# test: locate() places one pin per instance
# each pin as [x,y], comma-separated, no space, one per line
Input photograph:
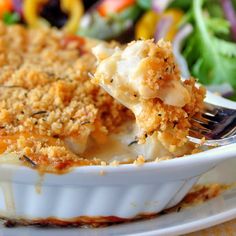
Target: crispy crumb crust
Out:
[159,66]
[46,96]
[173,123]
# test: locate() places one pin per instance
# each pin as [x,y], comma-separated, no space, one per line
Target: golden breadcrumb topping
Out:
[50,111]
[140,160]
[46,95]
[145,78]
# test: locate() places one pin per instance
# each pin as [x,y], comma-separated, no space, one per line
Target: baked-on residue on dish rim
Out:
[125,191]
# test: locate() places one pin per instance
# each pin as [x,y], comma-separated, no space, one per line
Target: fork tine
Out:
[203,124]
[230,133]
[208,125]
[210,112]
[197,120]
[195,134]
[211,117]
[204,121]
[201,129]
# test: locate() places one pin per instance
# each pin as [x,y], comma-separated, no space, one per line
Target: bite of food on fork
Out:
[144,77]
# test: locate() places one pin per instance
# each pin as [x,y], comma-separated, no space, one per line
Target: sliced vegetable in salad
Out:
[11,18]
[109,19]
[5,7]
[108,7]
[111,25]
[73,8]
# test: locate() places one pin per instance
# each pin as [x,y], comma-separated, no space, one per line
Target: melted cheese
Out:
[124,78]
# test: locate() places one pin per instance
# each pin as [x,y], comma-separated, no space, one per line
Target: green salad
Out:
[210,49]
[202,32]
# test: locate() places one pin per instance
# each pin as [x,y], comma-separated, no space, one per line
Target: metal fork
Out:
[216,126]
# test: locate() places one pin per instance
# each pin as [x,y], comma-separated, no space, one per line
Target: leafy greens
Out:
[211,58]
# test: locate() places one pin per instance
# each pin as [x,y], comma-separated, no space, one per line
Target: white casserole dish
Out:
[94,194]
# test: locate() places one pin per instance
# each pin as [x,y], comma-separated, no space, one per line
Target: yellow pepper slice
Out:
[75,10]
[31,14]
[146,26]
[73,7]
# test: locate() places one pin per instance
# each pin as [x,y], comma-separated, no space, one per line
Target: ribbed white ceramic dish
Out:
[125,191]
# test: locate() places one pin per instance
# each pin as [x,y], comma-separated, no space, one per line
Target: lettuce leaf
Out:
[211,59]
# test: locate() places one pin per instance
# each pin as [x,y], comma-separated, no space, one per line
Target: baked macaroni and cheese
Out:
[59,108]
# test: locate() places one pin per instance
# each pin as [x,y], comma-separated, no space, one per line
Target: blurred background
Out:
[202,32]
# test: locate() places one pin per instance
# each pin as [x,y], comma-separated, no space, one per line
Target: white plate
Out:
[215,211]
